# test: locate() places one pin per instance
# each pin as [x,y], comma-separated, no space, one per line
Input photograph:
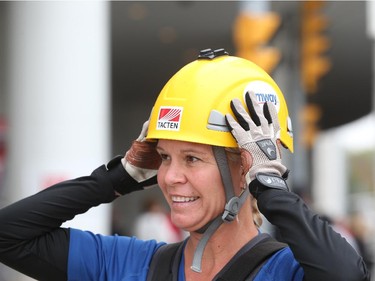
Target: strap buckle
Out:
[233,206]
[231,209]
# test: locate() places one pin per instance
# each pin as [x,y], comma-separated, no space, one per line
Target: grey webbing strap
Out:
[197,260]
[231,210]
[214,225]
[234,203]
[222,163]
[226,178]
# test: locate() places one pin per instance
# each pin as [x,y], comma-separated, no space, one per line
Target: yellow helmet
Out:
[192,105]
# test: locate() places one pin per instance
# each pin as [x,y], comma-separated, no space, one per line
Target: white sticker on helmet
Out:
[263,92]
[169,118]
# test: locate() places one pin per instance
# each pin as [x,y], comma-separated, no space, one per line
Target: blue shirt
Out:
[122,258]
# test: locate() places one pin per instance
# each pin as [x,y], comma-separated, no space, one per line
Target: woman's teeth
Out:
[180,199]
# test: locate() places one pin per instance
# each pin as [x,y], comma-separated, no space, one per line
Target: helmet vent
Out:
[211,54]
[216,121]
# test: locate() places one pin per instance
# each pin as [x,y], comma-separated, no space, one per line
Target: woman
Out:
[206,161]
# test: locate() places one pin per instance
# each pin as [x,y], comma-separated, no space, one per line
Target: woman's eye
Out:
[164,157]
[192,159]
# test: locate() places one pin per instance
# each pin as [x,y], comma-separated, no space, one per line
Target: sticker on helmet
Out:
[264,92]
[169,118]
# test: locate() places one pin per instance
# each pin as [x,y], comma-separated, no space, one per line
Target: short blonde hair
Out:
[257,216]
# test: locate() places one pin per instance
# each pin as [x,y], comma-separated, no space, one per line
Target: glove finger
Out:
[267,114]
[273,119]
[230,122]
[144,131]
[249,129]
[256,113]
[250,106]
[236,129]
[246,118]
[240,114]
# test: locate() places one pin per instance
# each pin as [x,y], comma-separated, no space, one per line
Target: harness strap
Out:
[251,261]
[165,262]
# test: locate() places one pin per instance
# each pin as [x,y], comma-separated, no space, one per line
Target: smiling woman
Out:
[217,163]
[189,179]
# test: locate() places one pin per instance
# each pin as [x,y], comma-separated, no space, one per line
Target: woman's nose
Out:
[174,174]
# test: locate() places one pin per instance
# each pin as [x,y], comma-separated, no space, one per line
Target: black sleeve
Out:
[31,240]
[322,253]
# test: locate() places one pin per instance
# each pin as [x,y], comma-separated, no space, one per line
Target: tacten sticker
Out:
[169,118]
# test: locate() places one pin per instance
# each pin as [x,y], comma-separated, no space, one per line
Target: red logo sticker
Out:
[169,118]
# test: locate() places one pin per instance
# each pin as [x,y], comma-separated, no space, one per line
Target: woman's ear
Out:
[246,161]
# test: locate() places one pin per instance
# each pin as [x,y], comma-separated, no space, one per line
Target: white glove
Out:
[257,133]
[142,161]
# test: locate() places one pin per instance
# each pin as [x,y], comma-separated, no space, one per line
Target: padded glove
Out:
[257,133]
[142,161]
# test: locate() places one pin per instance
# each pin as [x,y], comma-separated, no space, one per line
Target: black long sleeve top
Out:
[33,242]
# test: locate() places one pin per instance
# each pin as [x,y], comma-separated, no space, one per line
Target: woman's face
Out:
[190,181]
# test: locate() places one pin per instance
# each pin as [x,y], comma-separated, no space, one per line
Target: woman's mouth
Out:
[183,199]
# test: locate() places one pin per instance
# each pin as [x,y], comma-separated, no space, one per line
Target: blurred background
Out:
[79,78]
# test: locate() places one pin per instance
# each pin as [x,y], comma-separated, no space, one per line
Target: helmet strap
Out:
[197,259]
[232,207]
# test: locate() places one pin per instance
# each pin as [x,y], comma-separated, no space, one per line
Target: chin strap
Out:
[231,209]
[197,259]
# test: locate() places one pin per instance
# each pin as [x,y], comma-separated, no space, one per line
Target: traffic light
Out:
[310,115]
[252,32]
[314,45]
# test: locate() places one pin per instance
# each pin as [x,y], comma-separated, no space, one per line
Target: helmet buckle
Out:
[231,209]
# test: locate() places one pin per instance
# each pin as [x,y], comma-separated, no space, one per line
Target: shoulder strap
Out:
[251,260]
[165,262]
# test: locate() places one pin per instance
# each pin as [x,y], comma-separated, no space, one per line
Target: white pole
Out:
[58,97]
[370,9]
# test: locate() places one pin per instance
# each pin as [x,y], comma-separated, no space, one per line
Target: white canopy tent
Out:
[331,164]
